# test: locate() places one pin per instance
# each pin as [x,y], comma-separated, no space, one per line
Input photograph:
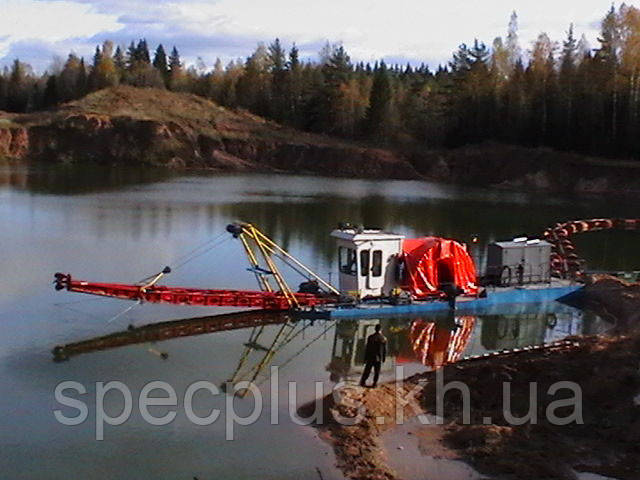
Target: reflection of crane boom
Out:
[256,320]
[157,332]
[287,333]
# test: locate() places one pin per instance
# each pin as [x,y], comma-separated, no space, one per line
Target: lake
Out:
[121,225]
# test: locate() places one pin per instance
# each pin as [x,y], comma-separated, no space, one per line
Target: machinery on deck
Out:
[518,262]
[372,264]
[385,270]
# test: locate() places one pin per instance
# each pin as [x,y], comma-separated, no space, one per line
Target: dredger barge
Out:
[384,273]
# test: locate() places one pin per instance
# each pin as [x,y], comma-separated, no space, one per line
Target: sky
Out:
[397,30]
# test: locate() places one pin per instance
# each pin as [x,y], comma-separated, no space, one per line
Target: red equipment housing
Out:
[431,262]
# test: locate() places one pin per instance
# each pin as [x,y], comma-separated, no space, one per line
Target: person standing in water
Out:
[374,356]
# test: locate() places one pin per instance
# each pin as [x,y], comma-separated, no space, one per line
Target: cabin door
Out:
[375,280]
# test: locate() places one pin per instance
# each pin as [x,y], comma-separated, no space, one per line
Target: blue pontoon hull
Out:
[494,302]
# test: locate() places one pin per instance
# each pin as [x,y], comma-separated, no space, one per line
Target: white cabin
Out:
[367,261]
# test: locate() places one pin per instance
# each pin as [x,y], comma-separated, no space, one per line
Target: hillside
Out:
[127,125]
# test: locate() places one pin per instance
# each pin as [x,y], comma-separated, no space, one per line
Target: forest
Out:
[566,94]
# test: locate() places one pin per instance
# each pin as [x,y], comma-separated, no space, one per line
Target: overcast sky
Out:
[397,30]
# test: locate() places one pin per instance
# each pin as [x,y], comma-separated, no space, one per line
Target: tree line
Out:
[566,95]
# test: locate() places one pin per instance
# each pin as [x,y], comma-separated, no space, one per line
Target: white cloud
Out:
[49,22]
[410,28]
[416,30]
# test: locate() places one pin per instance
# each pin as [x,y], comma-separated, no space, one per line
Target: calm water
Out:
[122,225]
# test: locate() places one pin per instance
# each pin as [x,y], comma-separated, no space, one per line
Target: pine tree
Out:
[119,60]
[293,89]
[18,87]
[160,63]
[216,81]
[3,92]
[176,74]
[175,65]
[51,92]
[378,117]
[338,66]
[277,59]
[569,52]
[253,87]
[277,65]
[81,83]
[512,45]
[568,61]
[607,59]
[132,56]
[97,56]
[142,52]
[336,70]
[541,73]
[103,73]
[629,18]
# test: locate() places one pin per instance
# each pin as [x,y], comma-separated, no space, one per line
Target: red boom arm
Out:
[189,296]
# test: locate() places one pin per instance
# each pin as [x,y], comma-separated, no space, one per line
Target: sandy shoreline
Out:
[608,443]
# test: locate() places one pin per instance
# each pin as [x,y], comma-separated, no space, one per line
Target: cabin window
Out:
[365,255]
[376,268]
[347,260]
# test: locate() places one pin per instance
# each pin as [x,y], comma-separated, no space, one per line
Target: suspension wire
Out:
[75,302]
[196,252]
[193,254]
[193,257]
[183,260]
[97,317]
[294,334]
[308,344]
[202,245]
[123,312]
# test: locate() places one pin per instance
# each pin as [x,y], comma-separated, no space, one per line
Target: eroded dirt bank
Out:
[607,442]
[529,169]
[143,126]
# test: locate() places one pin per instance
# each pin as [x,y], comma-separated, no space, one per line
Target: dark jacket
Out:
[376,350]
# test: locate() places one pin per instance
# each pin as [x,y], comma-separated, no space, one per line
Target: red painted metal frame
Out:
[190,296]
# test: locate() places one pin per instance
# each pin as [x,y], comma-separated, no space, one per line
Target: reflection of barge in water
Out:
[379,274]
[433,341]
[437,340]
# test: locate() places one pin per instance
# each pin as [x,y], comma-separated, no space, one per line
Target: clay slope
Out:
[127,125]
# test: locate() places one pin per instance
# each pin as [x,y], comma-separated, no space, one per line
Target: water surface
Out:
[121,225]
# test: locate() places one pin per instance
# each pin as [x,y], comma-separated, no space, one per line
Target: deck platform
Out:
[495,302]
